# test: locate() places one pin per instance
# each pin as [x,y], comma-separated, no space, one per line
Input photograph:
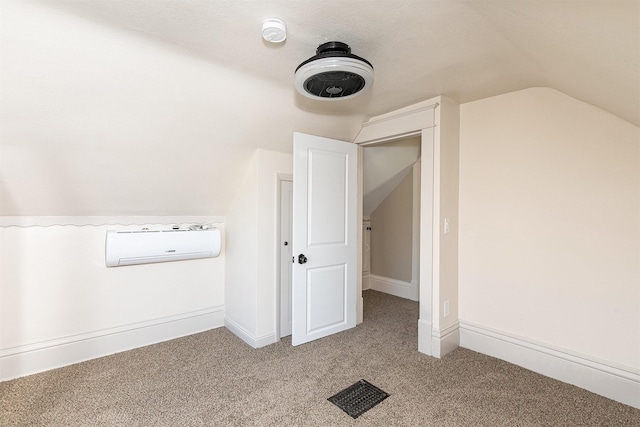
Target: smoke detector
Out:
[274,30]
[333,73]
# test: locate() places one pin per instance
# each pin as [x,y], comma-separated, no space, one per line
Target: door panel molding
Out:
[325,237]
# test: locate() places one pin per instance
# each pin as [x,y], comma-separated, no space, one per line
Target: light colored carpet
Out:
[214,379]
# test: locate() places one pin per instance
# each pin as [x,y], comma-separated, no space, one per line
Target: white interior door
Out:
[325,250]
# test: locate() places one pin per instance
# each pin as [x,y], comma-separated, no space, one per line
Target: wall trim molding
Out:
[446,340]
[32,358]
[399,288]
[402,123]
[614,381]
[80,221]
[244,335]
[425,342]
[365,282]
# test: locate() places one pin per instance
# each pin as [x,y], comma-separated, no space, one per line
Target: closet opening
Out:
[391,217]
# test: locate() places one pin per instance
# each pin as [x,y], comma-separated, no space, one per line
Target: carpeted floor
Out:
[214,379]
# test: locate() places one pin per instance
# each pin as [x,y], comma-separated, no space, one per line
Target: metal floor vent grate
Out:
[357,399]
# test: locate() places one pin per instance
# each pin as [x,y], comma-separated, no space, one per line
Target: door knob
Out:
[302,259]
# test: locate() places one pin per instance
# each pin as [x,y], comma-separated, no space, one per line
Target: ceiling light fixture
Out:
[333,73]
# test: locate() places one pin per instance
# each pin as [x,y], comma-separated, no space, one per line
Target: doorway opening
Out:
[391,217]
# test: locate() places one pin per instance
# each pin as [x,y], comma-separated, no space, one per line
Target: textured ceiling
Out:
[155,107]
[465,50]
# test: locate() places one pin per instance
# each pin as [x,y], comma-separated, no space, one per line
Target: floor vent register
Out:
[357,399]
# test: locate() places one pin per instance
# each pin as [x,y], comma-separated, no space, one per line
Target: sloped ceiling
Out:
[385,166]
[153,107]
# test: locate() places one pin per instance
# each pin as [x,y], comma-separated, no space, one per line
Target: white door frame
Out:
[284,253]
[416,120]
[279,307]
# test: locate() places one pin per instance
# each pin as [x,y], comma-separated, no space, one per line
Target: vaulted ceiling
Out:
[139,107]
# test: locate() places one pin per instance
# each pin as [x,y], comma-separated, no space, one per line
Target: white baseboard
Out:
[445,341]
[365,282]
[244,335]
[424,337]
[399,288]
[615,382]
[39,357]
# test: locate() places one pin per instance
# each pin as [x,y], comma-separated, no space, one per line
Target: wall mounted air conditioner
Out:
[147,246]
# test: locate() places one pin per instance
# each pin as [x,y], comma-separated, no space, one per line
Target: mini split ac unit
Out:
[146,246]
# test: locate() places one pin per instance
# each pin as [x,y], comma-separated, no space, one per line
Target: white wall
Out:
[59,304]
[550,225]
[392,233]
[241,271]
[252,267]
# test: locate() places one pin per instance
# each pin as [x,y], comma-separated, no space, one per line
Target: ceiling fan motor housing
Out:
[333,73]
